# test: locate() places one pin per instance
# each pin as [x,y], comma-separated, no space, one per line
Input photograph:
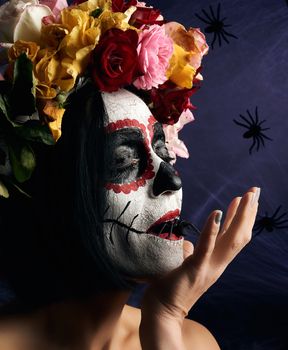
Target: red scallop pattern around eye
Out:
[148,173]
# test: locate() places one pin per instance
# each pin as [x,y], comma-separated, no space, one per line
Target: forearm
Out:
[161,334]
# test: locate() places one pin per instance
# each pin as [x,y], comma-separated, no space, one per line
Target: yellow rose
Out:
[69,70]
[180,71]
[53,34]
[83,36]
[91,5]
[47,66]
[46,71]
[30,48]
[118,20]
[45,92]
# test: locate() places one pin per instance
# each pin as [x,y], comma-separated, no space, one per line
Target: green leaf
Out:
[96,13]
[22,161]
[4,109]
[22,99]
[3,190]
[33,131]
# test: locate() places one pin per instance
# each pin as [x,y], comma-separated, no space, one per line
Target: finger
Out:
[231,211]
[188,249]
[240,230]
[207,239]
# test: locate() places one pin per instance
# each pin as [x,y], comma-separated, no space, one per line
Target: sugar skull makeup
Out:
[144,195]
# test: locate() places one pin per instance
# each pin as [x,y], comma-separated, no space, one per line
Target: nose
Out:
[166,179]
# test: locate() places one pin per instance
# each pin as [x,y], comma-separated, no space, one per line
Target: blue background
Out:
[247,307]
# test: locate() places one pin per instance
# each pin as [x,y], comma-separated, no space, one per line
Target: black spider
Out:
[216,25]
[254,129]
[270,223]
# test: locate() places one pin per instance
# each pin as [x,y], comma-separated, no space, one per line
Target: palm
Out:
[174,294]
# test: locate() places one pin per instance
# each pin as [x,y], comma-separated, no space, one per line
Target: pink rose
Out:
[154,51]
[175,146]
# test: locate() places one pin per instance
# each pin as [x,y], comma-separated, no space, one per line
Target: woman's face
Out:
[143,191]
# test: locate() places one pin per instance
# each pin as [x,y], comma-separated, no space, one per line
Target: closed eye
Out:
[126,158]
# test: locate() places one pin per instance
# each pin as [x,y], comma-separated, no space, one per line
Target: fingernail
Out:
[218,217]
[255,196]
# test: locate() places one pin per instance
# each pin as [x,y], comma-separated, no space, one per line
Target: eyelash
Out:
[130,166]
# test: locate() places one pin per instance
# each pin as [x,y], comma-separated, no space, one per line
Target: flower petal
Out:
[29,26]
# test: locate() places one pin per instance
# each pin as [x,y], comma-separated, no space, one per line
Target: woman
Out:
[105,201]
[88,261]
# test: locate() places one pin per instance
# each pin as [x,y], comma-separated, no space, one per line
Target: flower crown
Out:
[47,46]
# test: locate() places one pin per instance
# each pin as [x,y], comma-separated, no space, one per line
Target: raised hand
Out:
[170,298]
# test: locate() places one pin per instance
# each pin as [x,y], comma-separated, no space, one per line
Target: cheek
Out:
[139,207]
[124,206]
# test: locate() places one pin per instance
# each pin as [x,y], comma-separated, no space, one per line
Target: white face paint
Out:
[142,189]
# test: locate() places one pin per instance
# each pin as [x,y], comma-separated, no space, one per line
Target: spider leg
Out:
[226,25]
[250,116]
[258,142]
[266,137]
[253,144]
[224,37]
[219,39]
[202,19]
[246,120]
[263,121]
[208,16]
[276,212]
[241,124]
[212,13]
[259,231]
[261,139]
[213,41]
[264,129]
[280,223]
[281,216]
[229,34]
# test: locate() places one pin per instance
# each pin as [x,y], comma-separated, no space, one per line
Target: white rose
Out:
[22,20]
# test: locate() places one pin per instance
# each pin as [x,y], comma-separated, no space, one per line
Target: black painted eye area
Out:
[159,145]
[126,157]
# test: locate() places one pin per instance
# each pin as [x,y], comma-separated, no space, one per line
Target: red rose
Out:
[169,102]
[145,16]
[115,60]
[122,5]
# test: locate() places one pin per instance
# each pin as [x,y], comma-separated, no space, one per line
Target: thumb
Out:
[188,249]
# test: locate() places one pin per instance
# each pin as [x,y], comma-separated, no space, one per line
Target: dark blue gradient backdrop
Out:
[247,308]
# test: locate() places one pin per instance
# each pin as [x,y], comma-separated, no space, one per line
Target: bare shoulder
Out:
[196,336]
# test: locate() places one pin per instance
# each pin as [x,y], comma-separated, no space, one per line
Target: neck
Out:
[104,317]
[89,324]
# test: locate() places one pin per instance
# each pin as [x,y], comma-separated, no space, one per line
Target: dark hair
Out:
[51,246]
